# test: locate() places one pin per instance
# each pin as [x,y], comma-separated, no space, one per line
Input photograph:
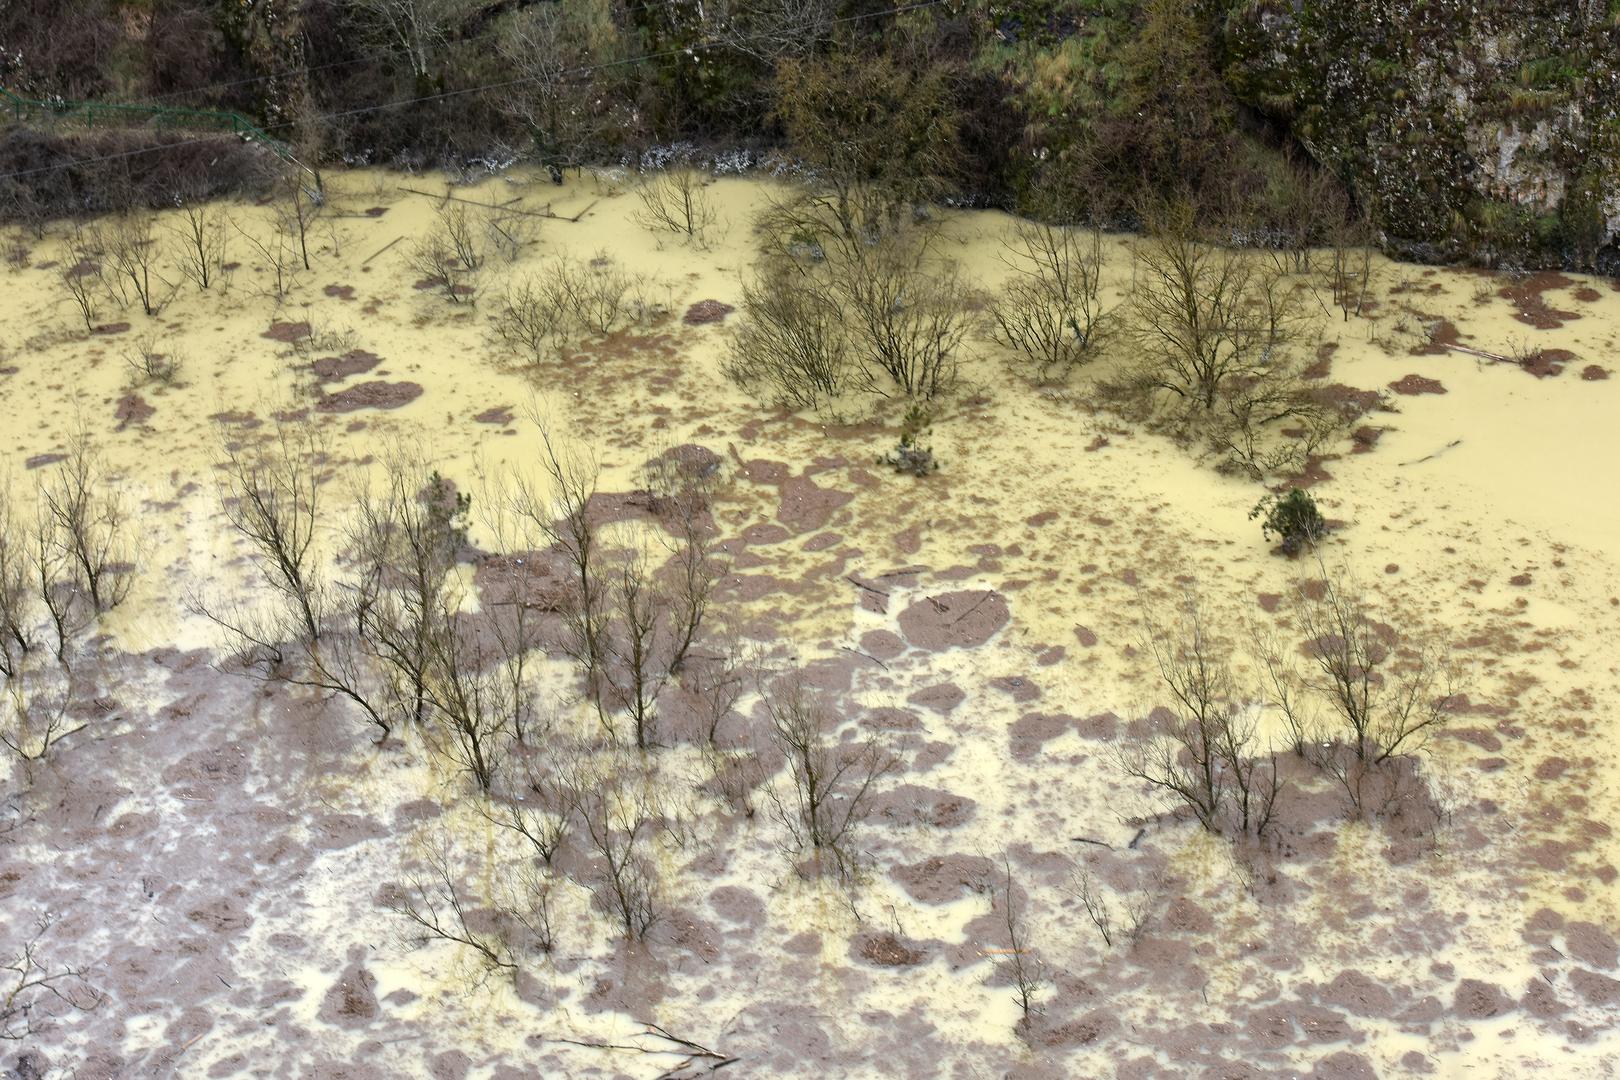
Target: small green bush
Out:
[1292,517]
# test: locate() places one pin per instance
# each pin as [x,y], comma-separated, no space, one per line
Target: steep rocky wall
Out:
[1488,130]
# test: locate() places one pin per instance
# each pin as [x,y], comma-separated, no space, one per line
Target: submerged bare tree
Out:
[133,255]
[200,234]
[1388,695]
[619,812]
[830,784]
[559,511]
[33,993]
[16,585]
[1020,966]
[475,703]
[1208,757]
[406,535]
[89,520]
[271,496]
[441,908]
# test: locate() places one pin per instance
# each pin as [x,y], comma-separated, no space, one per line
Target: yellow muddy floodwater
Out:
[1484,513]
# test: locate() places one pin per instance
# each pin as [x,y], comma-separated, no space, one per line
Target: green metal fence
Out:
[94,114]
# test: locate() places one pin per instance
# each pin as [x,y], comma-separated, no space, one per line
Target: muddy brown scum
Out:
[221,858]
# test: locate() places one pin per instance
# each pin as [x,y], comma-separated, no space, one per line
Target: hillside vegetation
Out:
[1488,132]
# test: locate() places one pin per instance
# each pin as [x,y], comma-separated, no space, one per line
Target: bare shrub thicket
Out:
[629,625]
[853,298]
[675,201]
[565,301]
[1218,331]
[450,255]
[366,630]
[1051,312]
[829,784]
[792,346]
[1208,756]
[150,358]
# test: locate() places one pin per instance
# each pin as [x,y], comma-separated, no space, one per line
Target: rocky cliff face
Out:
[1484,129]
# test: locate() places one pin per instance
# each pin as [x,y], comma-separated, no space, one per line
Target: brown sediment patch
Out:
[1032,731]
[375,211]
[1528,298]
[1546,362]
[427,283]
[1018,687]
[132,409]
[287,332]
[1412,385]
[1268,600]
[370,395]
[351,1002]
[962,619]
[1350,402]
[112,328]
[806,506]
[1082,1031]
[500,414]
[1586,294]
[245,420]
[1043,518]
[909,805]
[1313,473]
[1323,364]
[1591,944]
[941,697]
[1358,993]
[883,644]
[1365,438]
[1097,443]
[764,533]
[886,950]
[39,461]
[1520,579]
[1593,373]
[944,878]
[1596,989]
[342,292]
[1441,337]
[706,311]
[336,368]
[1476,1000]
